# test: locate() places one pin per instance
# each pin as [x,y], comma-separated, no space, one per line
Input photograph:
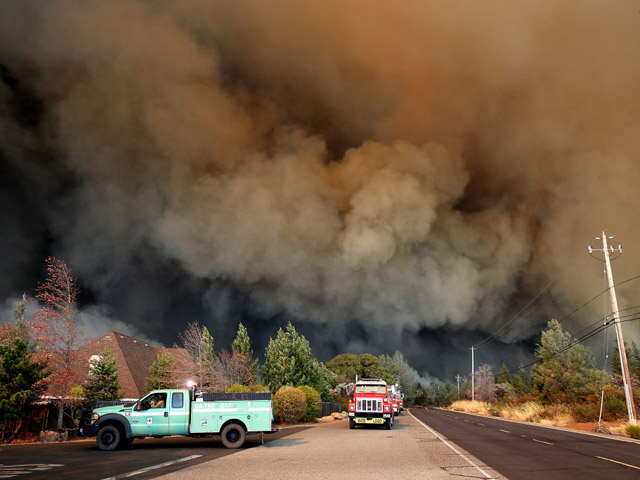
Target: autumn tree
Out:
[162,372]
[54,331]
[21,382]
[485,384]
[233,369]
[103,382]
[566,370]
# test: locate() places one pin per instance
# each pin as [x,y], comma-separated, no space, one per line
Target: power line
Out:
[575,342]
[493,337]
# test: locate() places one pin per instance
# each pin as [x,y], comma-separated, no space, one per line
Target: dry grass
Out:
[557,415]
[468,406]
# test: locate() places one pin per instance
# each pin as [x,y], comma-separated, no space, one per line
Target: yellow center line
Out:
[505,431]
[620,463]
[542,441]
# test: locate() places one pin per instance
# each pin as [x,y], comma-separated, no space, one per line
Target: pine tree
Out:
[565,371]
[207,360]
[103,382]
[21,381]
[288,360]
[162,372]
[242,344]
[504,376]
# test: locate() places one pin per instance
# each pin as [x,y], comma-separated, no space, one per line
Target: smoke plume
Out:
[386,176]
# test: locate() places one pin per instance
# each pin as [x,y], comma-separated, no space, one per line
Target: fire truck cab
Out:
[370,405]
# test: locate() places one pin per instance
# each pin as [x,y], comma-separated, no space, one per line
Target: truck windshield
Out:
[371,389]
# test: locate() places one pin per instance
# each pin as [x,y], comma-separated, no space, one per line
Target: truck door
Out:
[179,414]
[150,416]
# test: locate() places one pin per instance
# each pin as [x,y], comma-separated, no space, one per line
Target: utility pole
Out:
[458,379]
[473,374]
[626,380]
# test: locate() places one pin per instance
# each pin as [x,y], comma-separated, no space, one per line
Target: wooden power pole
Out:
[626,379]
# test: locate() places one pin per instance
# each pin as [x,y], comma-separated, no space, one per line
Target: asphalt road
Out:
[148,458]
[524,451]
[331,451]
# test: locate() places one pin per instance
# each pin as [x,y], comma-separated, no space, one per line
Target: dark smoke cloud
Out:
[385,176]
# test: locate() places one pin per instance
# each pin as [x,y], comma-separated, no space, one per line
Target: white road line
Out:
[486,475]
[153,467]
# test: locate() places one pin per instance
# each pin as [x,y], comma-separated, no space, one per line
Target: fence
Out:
[329,407]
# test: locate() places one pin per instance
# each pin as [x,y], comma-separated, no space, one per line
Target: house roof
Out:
[134,357]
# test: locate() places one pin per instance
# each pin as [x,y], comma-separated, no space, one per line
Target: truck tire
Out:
[108,438]
[352,423]
[387,424]
[233,436]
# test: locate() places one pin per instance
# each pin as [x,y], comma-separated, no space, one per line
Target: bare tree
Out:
[485,384]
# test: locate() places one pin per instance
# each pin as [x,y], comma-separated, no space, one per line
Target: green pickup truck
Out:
[233,416]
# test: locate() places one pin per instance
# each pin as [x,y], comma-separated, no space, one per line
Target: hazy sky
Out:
[385,176]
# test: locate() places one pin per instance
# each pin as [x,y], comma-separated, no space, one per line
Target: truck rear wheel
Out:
[108,438]
[233,436]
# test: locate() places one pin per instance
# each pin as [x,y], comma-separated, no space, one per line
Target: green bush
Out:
[615,408]
[633,431]
[289,405]
[585,412]
[237,388]
[314,402]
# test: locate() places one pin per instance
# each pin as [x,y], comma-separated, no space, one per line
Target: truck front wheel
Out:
[352,423]
[108,438]
[233,436]
[388,424]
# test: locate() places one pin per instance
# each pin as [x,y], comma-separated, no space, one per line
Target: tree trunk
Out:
[60,415]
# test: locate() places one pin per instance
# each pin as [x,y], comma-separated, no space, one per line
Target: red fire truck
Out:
[370,404]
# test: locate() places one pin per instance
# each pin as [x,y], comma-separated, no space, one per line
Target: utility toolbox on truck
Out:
[160,413]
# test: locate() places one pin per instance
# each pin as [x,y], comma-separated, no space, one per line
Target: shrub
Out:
[314,403]
[615,408]
[237,388]
[633,431]
[289,404]
[259,388]
[585,412]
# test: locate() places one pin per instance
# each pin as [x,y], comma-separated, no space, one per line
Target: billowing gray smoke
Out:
[393,176]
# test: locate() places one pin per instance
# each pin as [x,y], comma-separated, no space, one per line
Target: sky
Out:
[385,176]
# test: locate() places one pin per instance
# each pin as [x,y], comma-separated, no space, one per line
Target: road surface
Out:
[524,451]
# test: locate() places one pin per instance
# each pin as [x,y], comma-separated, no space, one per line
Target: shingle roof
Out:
[134,357]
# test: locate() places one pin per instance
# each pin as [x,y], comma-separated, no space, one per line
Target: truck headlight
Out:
[95,416]
[387,408]
[352,407]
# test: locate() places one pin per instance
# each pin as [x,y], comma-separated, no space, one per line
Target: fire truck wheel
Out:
[233,436]
[387,424]
[352,424]
[108,438]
